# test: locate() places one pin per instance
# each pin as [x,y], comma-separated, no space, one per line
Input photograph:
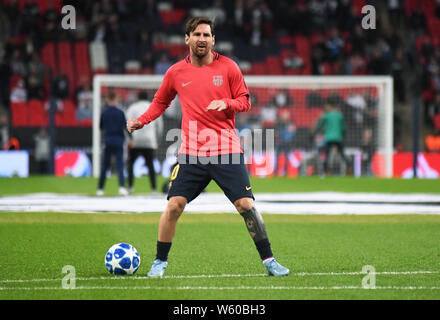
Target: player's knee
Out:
[175,206]
[244,204]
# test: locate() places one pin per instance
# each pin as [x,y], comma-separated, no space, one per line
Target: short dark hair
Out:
[333,101]
[111,95]
[192,24]
[143,95]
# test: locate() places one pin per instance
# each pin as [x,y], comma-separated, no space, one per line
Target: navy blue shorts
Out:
[191,176]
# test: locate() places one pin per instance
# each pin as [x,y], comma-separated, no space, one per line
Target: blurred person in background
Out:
[19,92]
[84,98]
[432,142]
[433,109]
[13,144]
[60,87]
[162,64]
[30,14]
[37,67]
[34,85]
[143,142]
[4,128]
[16,63]
[285,132]
[112,124]
[42,151]
[332,124]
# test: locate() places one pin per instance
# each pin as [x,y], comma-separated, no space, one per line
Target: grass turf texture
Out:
[34,184]
[38,245]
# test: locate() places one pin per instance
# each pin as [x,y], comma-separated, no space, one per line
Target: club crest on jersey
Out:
[217,80]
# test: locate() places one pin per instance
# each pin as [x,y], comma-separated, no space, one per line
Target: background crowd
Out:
[314,37]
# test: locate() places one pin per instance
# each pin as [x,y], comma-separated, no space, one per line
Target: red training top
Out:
[204,133]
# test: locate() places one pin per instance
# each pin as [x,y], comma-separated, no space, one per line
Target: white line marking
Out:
[342,203]
[207,276]
[359,272]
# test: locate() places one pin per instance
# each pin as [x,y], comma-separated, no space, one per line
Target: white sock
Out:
[268,259]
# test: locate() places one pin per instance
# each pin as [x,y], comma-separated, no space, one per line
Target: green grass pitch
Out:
[213,257]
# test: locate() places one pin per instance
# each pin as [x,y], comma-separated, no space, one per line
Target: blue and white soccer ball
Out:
[122,258]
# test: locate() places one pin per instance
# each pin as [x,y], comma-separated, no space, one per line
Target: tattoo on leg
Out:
[255,224]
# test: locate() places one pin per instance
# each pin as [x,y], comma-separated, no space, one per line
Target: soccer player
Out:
[112,123]
[143,142]
[211,90]
[333,124]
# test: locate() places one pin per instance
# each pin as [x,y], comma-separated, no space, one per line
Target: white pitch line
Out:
[328,203]
[201,276]
[208,276]
[359,273]
[225,288]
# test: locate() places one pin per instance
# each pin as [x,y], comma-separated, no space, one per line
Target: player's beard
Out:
[200,54]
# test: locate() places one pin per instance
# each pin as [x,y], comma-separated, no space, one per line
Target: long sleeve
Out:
[161,101]
[240,104]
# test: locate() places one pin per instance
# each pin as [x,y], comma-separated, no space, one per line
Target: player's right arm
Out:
[161,101]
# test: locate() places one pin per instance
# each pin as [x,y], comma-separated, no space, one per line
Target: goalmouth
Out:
[367,107]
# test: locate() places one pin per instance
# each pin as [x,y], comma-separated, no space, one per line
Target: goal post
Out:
[113,80]
[365,101]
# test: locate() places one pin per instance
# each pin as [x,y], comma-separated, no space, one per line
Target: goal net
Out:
[278,134]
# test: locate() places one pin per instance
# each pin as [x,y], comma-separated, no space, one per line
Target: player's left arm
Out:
[240,101]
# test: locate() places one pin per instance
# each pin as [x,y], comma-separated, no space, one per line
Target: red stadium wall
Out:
[265,165]
[428,165]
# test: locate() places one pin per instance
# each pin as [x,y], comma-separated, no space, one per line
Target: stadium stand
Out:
[37,114]
[265,37]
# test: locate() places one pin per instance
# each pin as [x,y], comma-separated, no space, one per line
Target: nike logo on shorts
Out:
[248,188]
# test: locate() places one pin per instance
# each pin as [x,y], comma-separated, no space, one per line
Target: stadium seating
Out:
[302,46]
[42,4]
[82,61]
[37,114]
[177,50]
[48,57]
[274,64]
[259,68]
[358,5]
[81,58]
[172,17]
[14,80]
[66,117]
[410,6]
[19,114]
[98,57]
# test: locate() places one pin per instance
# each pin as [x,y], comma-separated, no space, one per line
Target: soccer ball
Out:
[122,258]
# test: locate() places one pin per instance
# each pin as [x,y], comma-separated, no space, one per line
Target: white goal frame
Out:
[383,83]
